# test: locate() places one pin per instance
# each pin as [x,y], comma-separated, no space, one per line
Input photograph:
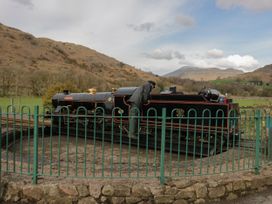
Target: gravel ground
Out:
[59,156]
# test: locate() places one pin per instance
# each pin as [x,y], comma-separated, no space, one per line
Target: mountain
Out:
[29,65]
[203,74]
[262,74]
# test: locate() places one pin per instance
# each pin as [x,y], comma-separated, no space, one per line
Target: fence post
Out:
[268,135]
[35,141]
[163,128]
[0,143]
[258,137]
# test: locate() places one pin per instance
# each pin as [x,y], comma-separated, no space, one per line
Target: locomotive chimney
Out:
[173,89]
[66,92]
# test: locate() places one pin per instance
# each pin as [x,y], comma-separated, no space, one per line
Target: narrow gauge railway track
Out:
[175,145]
[21,126]
[21,121]
[12,128]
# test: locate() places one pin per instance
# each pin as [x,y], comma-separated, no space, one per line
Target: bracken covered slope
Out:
[23,53]
[262,74]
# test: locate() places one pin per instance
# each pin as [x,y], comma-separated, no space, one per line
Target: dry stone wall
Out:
[177,191]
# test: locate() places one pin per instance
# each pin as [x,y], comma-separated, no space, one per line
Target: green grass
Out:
[18,102]
[222,81]
[254,101]
[32,101]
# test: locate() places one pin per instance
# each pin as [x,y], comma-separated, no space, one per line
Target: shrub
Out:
[57,88]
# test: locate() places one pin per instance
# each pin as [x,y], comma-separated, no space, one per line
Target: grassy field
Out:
[32,101]
[18,102]
[253,101]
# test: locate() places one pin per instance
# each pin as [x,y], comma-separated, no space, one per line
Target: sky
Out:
[157,36]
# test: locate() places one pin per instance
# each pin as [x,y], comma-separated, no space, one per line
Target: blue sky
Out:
[155,35]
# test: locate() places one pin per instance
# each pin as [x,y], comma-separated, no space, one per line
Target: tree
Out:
[6,80]
[57,88]
[39,81]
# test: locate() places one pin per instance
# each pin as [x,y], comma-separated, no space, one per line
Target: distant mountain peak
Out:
[203,74]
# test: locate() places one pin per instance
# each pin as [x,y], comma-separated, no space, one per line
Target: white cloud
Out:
[184,20]
[178,55]
[121,28]
[124,30]
[256,5]
[246,62]
[27,3]
[160,54]
[215,53]
[143,27]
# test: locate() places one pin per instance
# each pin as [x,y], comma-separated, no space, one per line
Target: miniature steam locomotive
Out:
[205,123]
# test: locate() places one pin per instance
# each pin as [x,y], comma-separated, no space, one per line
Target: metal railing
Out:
[95,144]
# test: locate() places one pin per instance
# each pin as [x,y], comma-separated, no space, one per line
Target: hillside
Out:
[201,74]
[262,74]
[28,65]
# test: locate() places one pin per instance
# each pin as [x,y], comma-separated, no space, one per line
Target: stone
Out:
[3,186]
[121,191]
[132,200]
[257,182]
[95,190]
[12,193]
[188,193]
[146,202]
[262,188]
[139,190]
[171,191]
[34,193]
[26,201]
[243,193]
[231,196]
[51,190]
[43,201]
[248,184]
[108,190]
[239,185]
[82,190]
[217,192]
[62,200]
[69,190]
[183,183]
[201,190]
[180,201]
[200,201]
[212,183]
[103,199]
[157,190]
[87,200]
[216,200]
[117,200]
[269,181]
[229,187]
[164,199]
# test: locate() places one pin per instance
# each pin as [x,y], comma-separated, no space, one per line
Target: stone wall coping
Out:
[178,190]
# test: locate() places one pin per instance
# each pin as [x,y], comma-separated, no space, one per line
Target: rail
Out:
[94,144]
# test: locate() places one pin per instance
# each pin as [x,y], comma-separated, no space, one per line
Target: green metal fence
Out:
[84,144]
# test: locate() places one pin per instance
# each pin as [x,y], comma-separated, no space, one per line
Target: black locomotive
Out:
[203,123]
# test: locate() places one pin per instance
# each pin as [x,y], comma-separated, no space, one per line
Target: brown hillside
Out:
[25,60]
[263,74]
[203,74]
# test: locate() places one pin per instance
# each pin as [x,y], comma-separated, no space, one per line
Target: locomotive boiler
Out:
[203,124]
